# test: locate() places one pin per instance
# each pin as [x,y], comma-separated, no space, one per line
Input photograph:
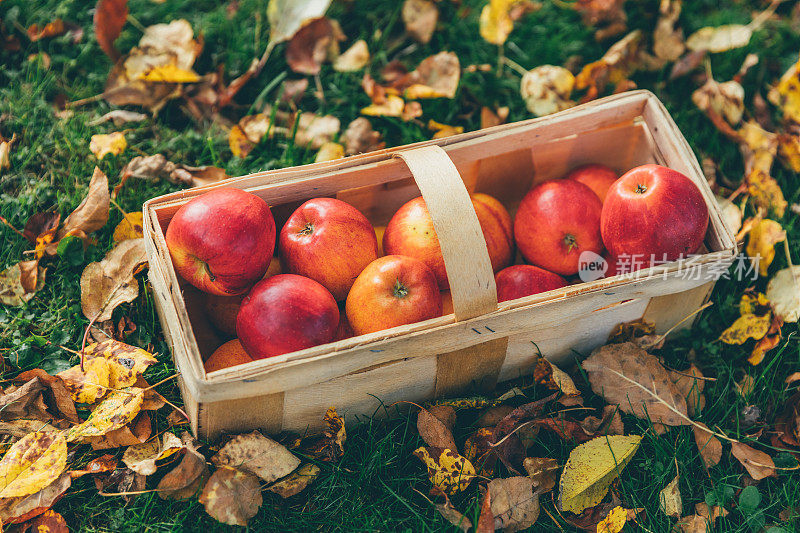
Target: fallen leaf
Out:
[608,12]
[311,46]
[444,130]
[491,118]
[547,374]
[108,283]
[329,151]
[591,468]
[448,471]
[40,229]
[614,521]
[116,410]
[51,29]
[498,16]
[90,384]
[25,401]
[354,58]
[667,41]
[330,447]
[486,517]
[616,65]
[314,130]
[142,458]
[720,38]
[295,482]
[136,432]
[185,480]
[669,499]
[359,137]
[55,394]
[478,451]
[626,375]
[103,144]
[232,496]
[32,463]
[690,385]
[434,432]
[757,463]
[420,18]
[5,151]
[49,522]
[122,480]
[21,509]
[392,106]
[786,93]
[709,446]
[437,76]
[688,63]
[100,465]
[514,503]
[90,215]
[20,282]
[130,227]
[783,290]
[452,515]
[761,243]
[731,214]
[710,513]
[747,326]
[109,19]
[692,524]
[155,167]
[258,455]
[286,17]
[20,427]
[546,89]
[119,117]
[725,99]
[543,471]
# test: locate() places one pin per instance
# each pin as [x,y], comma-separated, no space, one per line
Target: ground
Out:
[378,485]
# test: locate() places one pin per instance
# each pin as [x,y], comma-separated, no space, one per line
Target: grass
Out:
[377,485]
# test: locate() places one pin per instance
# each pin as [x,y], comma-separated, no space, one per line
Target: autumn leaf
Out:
[232,496]
[21,509]
[514,503]
[20,282]
[130,227]
[420,18]
[359,137]
[720,38]
[99,465]
[108,283]
[354,58]
[667,41]
[591,468]
[491,118]
[454,516]
[543,471]
[32,463]
[710,513]
[725,99]
[258,455]
[135,432]
[761,243]
[434,432]
[669,499]
[330,447]
[90,215]
[447,470]
[295,482]
[783,290]
[547,374]
[286,17]
[5,151]
[444,130]
[614,521]
[116,410]
[546,89]
[51,29]
[498,16]
[786,93]
[119,117]
[436,76]
[754,322]
[103,144]
[329,151]
[616,65]
[185,480]
[757,463]
[25,401]
[392,106]
[55,394]
[314,43]
[109,19]
[709,446]
[156,167]
[142,458]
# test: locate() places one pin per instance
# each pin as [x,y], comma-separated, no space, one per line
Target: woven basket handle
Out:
[466,257]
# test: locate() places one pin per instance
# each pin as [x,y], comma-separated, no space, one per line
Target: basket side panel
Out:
[476,367]
[264,413]
[669,310]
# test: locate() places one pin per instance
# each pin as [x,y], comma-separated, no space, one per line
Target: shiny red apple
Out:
[286,313]
[517,281]
[653,213]
[410,232]
[222,241]
[557,221]
[393,290]
[599,178]
[329,241]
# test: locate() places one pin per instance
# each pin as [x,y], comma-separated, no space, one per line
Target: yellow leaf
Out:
[546,89]
[761,243]
[32,463]
[786,94]
[669,499]
[747,326]
[444,130]
[783,290]
[720,38]
[126,363]
[354,58]
[329,152]
[766,192]
[614,521]
[19,282]
[495,21]
[591,468]
[103,144]
[91,384]
[750,304]
[392,107]
[789,151]
[447,470]
[169,73]
[248,133]
[115,411]
[129,228]
[141,458]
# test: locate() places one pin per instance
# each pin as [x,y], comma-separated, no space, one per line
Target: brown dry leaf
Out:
[314,130]
[90,215]
[32,463]
[142,458]
[687,64]
[710,513]
[709,446]
[286,17]
[486,517]
[514,503]
[49,522]
[232,496]
[761,243]
[40,229]
[546,89]
[5,151]
[18,428]
[616,65]
[330,447]
[56,394]
[786,94]
[420,18]
[354,58]
[359,137]
[258,455]
[295,482]
[155,167]
[21,509]
[720,38]
[109,19]
[329,151]
[491,118]
[245,135]
[392,106]
[608,12]
[444,130]
[185,480]
[116,410]
[667,41]
[436,76]
[726,99]
[669,499]
[137,432]
[51,29]
[25,401]
[547,374]
[626,375]
[783,290]
[20,282]
[434,432]
[122,480]
[448,471]
[130,227]
[690,384]
[692,524]
[108,283]
[454,516]
[789,150]
[757,463]
[100,465]
[316,41]
[543,471]
[103,144]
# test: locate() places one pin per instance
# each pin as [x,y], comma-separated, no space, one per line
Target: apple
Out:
[329,241]
[393,290]
[231,353]
[343,330]
[447,303]
[597,177]
[653,213]
[222,241]
[517,281]
[286,313]
[222,310]
[410,232]
[557,221]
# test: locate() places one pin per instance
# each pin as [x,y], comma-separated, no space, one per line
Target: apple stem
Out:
[399,289]
[570,241]
[640,189]
[308,229]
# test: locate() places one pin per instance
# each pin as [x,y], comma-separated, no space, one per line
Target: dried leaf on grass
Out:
[420,18]
[444,130]
[591,468]
[90,215]
[25,401]
[314,43]
[454,516]
[359,137]
[286,17]
[786,94]
[448,471]
[710,513]
[691,524]
[491,118]
[329,151]
[709,446]
[156,167]
[119,117]
[783,290]
[757,463]
[311,130]
[726,99]
[51,29]
[295,482]
[100,465]
[23,508]
[20,282]
[434,432]
[130,227]
[543,471]
[116,410]
[258,455]
[103,144]
[32,463]
[667,40]
[626,375]
[514,503]
[55,393]
[232,496]
[108,283]
[546,89]
[669,499]
[142,458]
[498,16]
[330,447]
[354,58]
[109,19]
[49,522]
[761,243]
[185,480]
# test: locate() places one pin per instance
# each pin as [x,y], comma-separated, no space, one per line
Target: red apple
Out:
[392,291]
[523,280]
[653,213]
[222,241]
[597,177]
[410,232]
[229,354]
[557,221]
[329,241]
[286,313]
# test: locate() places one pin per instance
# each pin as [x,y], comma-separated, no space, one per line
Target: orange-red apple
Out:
[392,291]
[222,241]
[517,281]
[556,222]
[410,232]
[597,177]
[286,313]
[329,241]
[229,354]
[653,213]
